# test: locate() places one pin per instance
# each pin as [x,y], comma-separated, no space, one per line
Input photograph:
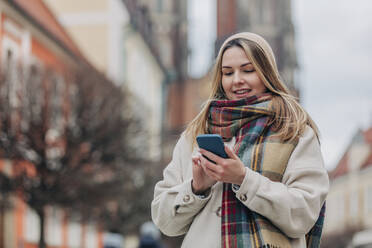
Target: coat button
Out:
[186,198]
[243,197]
[219,211]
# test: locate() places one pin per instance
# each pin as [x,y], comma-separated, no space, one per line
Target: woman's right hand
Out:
[201,182]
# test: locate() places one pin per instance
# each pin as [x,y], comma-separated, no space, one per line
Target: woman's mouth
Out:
[242,92]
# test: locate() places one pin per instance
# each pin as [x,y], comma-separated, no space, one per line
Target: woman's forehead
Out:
[234,56]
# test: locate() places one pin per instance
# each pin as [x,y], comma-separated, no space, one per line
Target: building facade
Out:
[98,29]
[145,79]
[105,32]
[163,24]
[271,19]
[349,201]
[31,37]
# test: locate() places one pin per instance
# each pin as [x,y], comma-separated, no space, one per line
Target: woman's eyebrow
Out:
[229,67]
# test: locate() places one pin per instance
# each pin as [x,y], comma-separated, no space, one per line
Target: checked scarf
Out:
[261,151]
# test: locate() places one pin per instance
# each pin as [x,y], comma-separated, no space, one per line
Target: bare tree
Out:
[126,213]
[67,138]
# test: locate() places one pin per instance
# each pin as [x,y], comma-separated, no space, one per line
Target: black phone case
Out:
[212,143]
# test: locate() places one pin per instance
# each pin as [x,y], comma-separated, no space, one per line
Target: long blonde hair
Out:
[289,120]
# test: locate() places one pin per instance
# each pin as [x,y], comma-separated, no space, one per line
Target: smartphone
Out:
[212,143]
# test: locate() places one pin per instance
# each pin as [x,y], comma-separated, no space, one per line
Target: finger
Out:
[196,160]
[197,168]
[212,172]
[205,163]
[217,159]
[230,153]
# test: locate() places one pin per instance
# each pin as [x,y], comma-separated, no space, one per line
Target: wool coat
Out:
[292,205]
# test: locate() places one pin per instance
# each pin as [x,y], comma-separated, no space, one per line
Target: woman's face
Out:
[239,78]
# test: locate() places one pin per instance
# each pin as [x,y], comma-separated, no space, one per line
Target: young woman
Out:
[272,188]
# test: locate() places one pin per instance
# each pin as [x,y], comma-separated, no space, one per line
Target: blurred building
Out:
[97,27]
[163,24]
[112,39]
[31,37]
[166,30]
[349,202]
[272,19]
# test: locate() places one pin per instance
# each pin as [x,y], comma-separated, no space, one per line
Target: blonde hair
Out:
[289,120]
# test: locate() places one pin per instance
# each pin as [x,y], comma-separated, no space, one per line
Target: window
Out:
[74,235]
[368,200]
[354,203]
[265,11]
[32,95]
[334,213]
[56,100]
[91,237]
[10,59]
[159,5]
[54,223]
[260,10]
[330,209]
[73,104]
[31,226]
[339,207]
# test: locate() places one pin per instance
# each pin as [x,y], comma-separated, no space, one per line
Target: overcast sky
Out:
[334,46]
[202,35]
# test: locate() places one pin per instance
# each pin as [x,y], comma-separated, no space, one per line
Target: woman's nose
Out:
[237,78]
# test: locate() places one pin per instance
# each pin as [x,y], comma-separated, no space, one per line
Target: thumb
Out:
[230,153]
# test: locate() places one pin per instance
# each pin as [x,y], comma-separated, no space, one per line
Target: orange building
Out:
[31,36]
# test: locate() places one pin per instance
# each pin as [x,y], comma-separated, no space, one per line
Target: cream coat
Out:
[292,205]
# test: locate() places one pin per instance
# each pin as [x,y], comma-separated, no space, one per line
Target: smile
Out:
[242,91]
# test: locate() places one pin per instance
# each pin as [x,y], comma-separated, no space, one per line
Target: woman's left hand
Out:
[229,170]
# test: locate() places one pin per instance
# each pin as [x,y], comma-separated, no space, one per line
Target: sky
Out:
[202,35]
[334,47]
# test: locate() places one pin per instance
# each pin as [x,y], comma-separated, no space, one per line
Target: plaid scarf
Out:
[257,146]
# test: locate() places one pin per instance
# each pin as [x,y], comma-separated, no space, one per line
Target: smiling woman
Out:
[239,78]
[271,189]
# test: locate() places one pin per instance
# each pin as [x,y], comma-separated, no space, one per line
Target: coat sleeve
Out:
[174,205]
[294,204]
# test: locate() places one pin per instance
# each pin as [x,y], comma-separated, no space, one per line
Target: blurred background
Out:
[95,93]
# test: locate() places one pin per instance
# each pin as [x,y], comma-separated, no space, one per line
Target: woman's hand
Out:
[200,180]
[230,170]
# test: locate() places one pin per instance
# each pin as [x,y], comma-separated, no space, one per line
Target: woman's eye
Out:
[227,73]
[249,70]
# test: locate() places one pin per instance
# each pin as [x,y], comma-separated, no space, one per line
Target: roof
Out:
[36,11]
[342,167]
[368,138]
